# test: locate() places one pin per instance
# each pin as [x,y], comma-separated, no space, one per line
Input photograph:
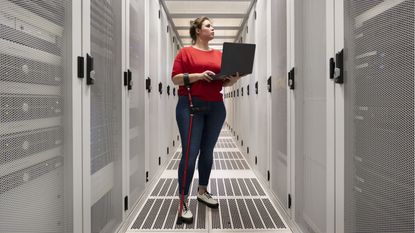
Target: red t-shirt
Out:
[191,60]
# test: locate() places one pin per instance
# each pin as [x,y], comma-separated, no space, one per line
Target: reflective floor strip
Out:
[201,217]
[264,214]
[171,216]
[224,212]
[158,187]
[274,214]
[158,224]
[236,220]
[151,216]
[243,204]
[254,214]
[140,219]
[246,217]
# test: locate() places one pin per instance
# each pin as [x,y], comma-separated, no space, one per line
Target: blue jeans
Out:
[206,129]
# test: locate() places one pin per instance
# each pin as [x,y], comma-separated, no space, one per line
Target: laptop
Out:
[236,57]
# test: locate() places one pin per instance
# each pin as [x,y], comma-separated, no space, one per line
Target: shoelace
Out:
[208,195]
[185,207]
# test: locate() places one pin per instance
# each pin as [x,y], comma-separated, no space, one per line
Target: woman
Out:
[196,64]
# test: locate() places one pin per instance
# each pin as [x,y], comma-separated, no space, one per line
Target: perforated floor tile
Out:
[243,203]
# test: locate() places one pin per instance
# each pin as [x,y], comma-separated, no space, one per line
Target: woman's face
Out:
[206,32]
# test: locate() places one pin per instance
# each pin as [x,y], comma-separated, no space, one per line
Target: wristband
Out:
[186,79]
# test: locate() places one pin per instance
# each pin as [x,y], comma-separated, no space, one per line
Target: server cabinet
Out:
[106,201]
[154,96]
[379,116]
[260,91]
[243,105]
[252,102]
[135,96]
[171,129]
[279,91]
[164,136]
[171,99]
[291,107]
[173,92]
[40,128]
[308,124]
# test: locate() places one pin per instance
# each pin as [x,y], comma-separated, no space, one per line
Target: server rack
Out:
[51,178]
[279,160]
[35,94]
[250,37]
[379,101]
[136,96]
[106,116]
[154,96]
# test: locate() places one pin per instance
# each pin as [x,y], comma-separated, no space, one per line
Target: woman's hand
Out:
[207,76]
[230,80]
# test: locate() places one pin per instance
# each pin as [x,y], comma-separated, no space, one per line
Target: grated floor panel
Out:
[243,203]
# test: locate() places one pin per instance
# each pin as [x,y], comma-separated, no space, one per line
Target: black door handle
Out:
[148,84]
[332,65]
[338,71]
[130,79]
[90,72]
[161,88]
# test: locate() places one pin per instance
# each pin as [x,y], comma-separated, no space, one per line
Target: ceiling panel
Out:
[207,7]
[227,17]
[215,21]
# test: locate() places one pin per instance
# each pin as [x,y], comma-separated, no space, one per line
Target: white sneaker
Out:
[207,199]
[186,215]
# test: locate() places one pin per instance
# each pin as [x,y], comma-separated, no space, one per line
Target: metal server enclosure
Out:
[106,116]
[379,102]
[33,93]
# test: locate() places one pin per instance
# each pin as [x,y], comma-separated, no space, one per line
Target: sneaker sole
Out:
[181,220]
[213,206]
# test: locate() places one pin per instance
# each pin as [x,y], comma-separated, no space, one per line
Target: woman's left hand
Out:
[230,80]
[234,77]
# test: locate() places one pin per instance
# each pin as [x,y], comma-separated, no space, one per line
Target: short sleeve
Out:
[178,64]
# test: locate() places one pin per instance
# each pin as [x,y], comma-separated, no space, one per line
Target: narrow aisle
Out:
[244,205]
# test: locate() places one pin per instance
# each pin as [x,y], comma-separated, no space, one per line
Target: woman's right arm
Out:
[178,78]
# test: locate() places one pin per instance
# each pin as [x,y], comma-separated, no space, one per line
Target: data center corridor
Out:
[319,135]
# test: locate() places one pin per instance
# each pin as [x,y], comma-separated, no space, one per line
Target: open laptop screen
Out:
[236,57]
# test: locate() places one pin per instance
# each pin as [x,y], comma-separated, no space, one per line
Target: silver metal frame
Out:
[147,95]
[339,122]
[330,120]
[291,107]
[75,96]
[86,120]
[125,103]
